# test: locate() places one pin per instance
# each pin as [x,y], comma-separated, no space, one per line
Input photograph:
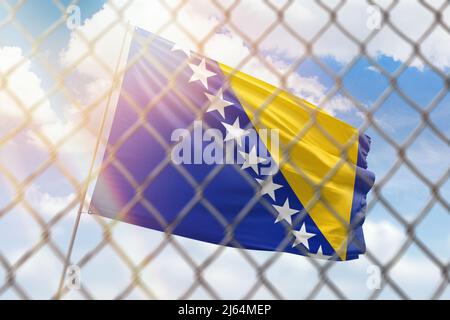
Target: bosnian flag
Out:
[203,151]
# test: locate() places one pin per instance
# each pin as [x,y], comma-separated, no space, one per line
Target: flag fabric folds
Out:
[293,178]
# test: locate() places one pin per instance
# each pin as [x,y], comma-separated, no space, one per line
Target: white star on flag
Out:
[201,73]
[269,187]
[252,160]
[285,212]
[319,254]
[218,103]
[302,236]
[235,132]
[177,47]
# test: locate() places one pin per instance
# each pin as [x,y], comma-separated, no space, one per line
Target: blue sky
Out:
[37,19]
[404,191]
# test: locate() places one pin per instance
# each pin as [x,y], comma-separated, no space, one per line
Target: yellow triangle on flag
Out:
[323,159]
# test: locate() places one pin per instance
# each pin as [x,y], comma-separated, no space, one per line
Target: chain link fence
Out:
[106,259]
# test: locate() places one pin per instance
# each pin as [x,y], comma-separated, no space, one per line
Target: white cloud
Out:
[373,69]
[307,17]
[383,238]
[78,132]
[413,272]
[228,47]
[40,274]
[22,90]
[46,204]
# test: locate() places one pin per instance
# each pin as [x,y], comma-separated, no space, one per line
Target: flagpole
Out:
[91,168]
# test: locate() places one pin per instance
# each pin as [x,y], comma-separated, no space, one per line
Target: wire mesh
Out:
[102,234]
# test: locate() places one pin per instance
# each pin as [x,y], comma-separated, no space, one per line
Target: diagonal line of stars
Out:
[217,103]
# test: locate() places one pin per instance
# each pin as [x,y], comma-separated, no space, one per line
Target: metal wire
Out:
[80,185]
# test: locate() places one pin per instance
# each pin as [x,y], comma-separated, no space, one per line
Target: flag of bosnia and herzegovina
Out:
[299,187]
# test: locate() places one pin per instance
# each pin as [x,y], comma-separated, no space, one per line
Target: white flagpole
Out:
[89,177]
